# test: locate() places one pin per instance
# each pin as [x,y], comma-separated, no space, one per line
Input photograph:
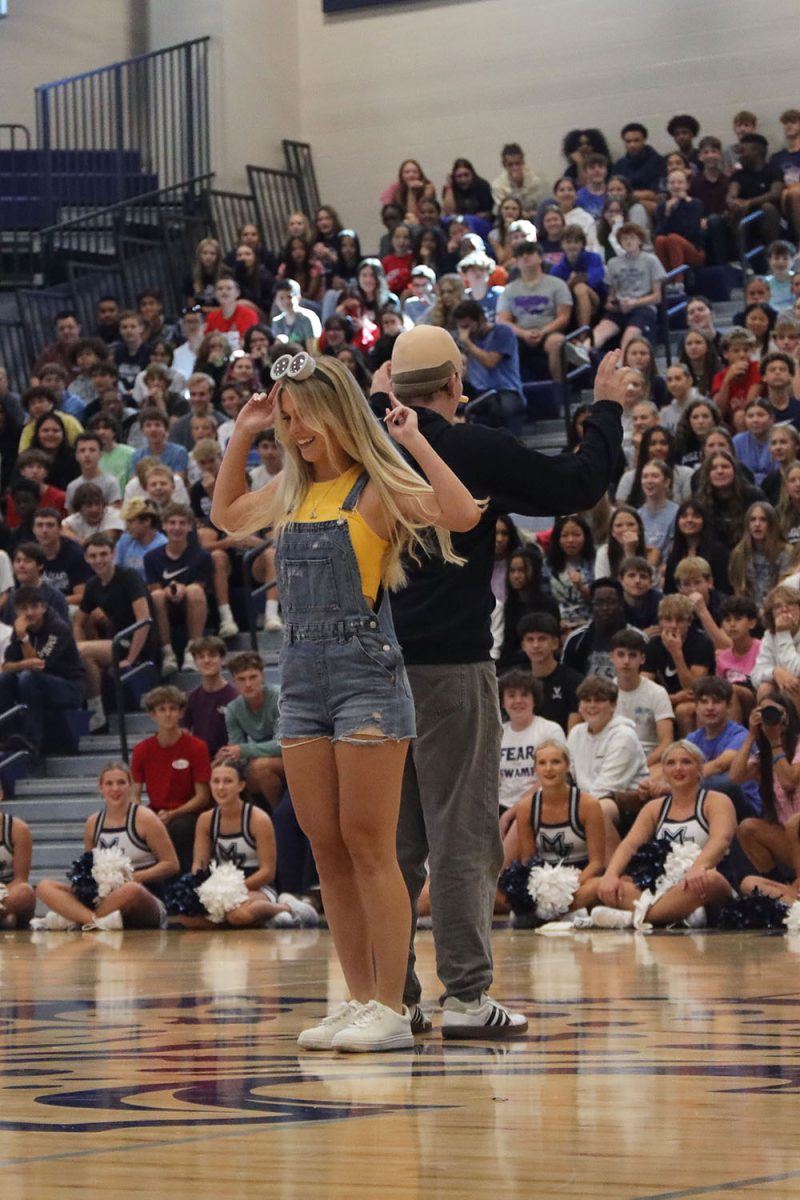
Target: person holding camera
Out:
[770,755]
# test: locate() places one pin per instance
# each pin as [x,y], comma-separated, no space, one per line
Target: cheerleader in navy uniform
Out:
[17,897]
[560,824]
[143,838]
[239,833]
[688,813]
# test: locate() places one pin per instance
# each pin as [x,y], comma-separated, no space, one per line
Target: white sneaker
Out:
[188,661]
[97,719]
[273,625]
[611,918]
[112,920]
[53,922]
[695,920]
[228,628]
[482,1018]
[307,915]
[319,1037]
[420,1021]
[284,920]
[375,1028]
[169,663]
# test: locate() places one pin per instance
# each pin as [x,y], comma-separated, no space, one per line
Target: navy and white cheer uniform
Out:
[6,848]
[238,847]
[693,829]
[126,838]
[564,842]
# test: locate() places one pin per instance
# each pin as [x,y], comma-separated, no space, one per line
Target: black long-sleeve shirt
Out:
[443,614]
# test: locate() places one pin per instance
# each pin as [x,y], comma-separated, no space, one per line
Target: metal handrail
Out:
[744,254]
[116,647]
[123,62]
[250,592]
[665,312]
[16,711]
[109,209]
[571,375]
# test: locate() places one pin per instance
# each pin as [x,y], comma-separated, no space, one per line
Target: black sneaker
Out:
[420,1021]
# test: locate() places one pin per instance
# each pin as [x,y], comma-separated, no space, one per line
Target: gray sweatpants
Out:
[449,815]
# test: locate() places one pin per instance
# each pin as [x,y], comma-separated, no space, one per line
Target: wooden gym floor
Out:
[164,1065]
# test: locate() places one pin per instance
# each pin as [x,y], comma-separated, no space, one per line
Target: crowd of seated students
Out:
[108,458]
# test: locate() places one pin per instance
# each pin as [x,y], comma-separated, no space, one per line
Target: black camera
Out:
[771,714]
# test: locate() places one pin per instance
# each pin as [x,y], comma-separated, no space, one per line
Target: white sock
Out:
[95,705]
[272,608]
[225,612]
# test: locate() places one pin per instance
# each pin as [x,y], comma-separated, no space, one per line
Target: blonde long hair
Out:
[341,414]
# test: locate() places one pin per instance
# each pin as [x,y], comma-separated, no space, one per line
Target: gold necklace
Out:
[318,503]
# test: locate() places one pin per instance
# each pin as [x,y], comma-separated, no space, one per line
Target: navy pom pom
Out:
[180,896]
[82,881]
[753,912]
[514,883]
[647,865]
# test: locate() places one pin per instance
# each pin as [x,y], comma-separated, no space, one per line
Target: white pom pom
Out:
[3,894]
[223,890]
[553,888]
[110,869]
[792,918]
[680,859]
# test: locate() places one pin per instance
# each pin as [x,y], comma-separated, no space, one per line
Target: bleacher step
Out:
[37,786]
[56,806]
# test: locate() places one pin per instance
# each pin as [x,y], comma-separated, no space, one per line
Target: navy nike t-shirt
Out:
[193,566]
[698,651]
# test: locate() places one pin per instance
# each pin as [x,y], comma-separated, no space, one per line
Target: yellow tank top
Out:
[324,503]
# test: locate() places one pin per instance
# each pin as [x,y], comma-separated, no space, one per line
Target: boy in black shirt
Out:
[132,354]
[66,569]
[540,639]
[178,576]
[42,667]
[677,657]
[115,598]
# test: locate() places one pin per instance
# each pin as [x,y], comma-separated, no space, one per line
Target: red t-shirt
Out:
[398,271]
[51,497]
[738,390]
[243,317]
[170,773]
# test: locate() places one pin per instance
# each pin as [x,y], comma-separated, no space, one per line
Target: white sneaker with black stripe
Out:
[482,1018]
[420,1021]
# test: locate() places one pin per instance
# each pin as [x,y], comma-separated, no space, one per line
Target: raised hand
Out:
[401,423]
[259,412]
[612,381]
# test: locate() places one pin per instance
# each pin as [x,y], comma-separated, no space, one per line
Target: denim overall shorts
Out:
[342,668]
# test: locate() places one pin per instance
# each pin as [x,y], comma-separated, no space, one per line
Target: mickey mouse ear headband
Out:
[296,368]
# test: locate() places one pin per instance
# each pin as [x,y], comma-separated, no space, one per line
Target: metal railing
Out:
[277,195]
[20,213]
[125,129]
[668,309]
[250,592]
[159,218]
[746,256]
[300,162]
[572,374]
[16,353]
[117,649]
[228,212]
[13,763]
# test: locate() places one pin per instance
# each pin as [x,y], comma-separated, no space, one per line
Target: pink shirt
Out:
[786,803]
[735,669]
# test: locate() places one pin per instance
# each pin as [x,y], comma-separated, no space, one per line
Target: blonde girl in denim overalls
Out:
[346,508]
